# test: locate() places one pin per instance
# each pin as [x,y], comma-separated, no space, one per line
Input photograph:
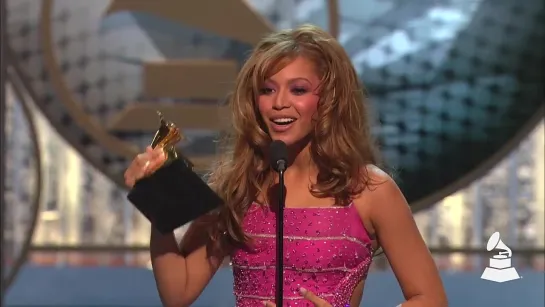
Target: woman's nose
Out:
[281,100]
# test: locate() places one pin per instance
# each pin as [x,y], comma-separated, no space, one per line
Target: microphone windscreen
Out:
[278,151]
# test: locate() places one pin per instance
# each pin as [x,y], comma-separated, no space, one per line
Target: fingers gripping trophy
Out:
[164,187]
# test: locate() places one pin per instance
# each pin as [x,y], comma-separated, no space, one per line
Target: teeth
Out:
[283,120]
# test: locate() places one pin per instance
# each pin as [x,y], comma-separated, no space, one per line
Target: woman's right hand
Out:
[144,164]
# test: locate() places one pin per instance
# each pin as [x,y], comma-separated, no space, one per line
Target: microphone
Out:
[278,152]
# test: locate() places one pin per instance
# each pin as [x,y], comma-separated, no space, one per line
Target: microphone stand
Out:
[280,237]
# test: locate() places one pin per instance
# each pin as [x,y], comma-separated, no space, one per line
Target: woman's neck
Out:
[300,169]
[300,162]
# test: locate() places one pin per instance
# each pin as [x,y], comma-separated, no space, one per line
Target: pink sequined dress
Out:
[326,250]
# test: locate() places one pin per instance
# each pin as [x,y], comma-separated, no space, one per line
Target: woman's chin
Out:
[289,140]
[284,138]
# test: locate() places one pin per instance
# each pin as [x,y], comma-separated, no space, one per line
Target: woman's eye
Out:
[299,91]
[265,91]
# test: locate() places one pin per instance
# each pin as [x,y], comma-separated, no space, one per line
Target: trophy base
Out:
[500,275]
[173,196]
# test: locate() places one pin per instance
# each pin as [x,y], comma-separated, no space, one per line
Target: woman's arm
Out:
[403,245]
[181,276]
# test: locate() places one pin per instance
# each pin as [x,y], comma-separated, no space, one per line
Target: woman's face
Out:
[288,101]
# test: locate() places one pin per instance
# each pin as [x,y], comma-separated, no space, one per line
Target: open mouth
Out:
[283,121]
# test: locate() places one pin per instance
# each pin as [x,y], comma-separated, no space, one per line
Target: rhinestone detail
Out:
[326,250]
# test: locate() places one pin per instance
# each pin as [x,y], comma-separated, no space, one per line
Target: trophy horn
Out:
[167,135]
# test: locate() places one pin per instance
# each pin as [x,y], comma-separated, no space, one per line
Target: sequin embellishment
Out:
[326,250]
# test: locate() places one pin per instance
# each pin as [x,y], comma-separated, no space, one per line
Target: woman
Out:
[298,86]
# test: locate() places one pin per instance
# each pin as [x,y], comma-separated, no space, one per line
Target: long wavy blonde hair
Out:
[341,143]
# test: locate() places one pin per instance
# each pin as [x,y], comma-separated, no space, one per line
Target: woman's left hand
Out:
[318,302]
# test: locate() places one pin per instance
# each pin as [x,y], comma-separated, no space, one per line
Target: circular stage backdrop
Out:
[454,83]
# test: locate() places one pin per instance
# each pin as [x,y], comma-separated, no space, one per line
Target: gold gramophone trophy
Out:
[173,195]
[166,137]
